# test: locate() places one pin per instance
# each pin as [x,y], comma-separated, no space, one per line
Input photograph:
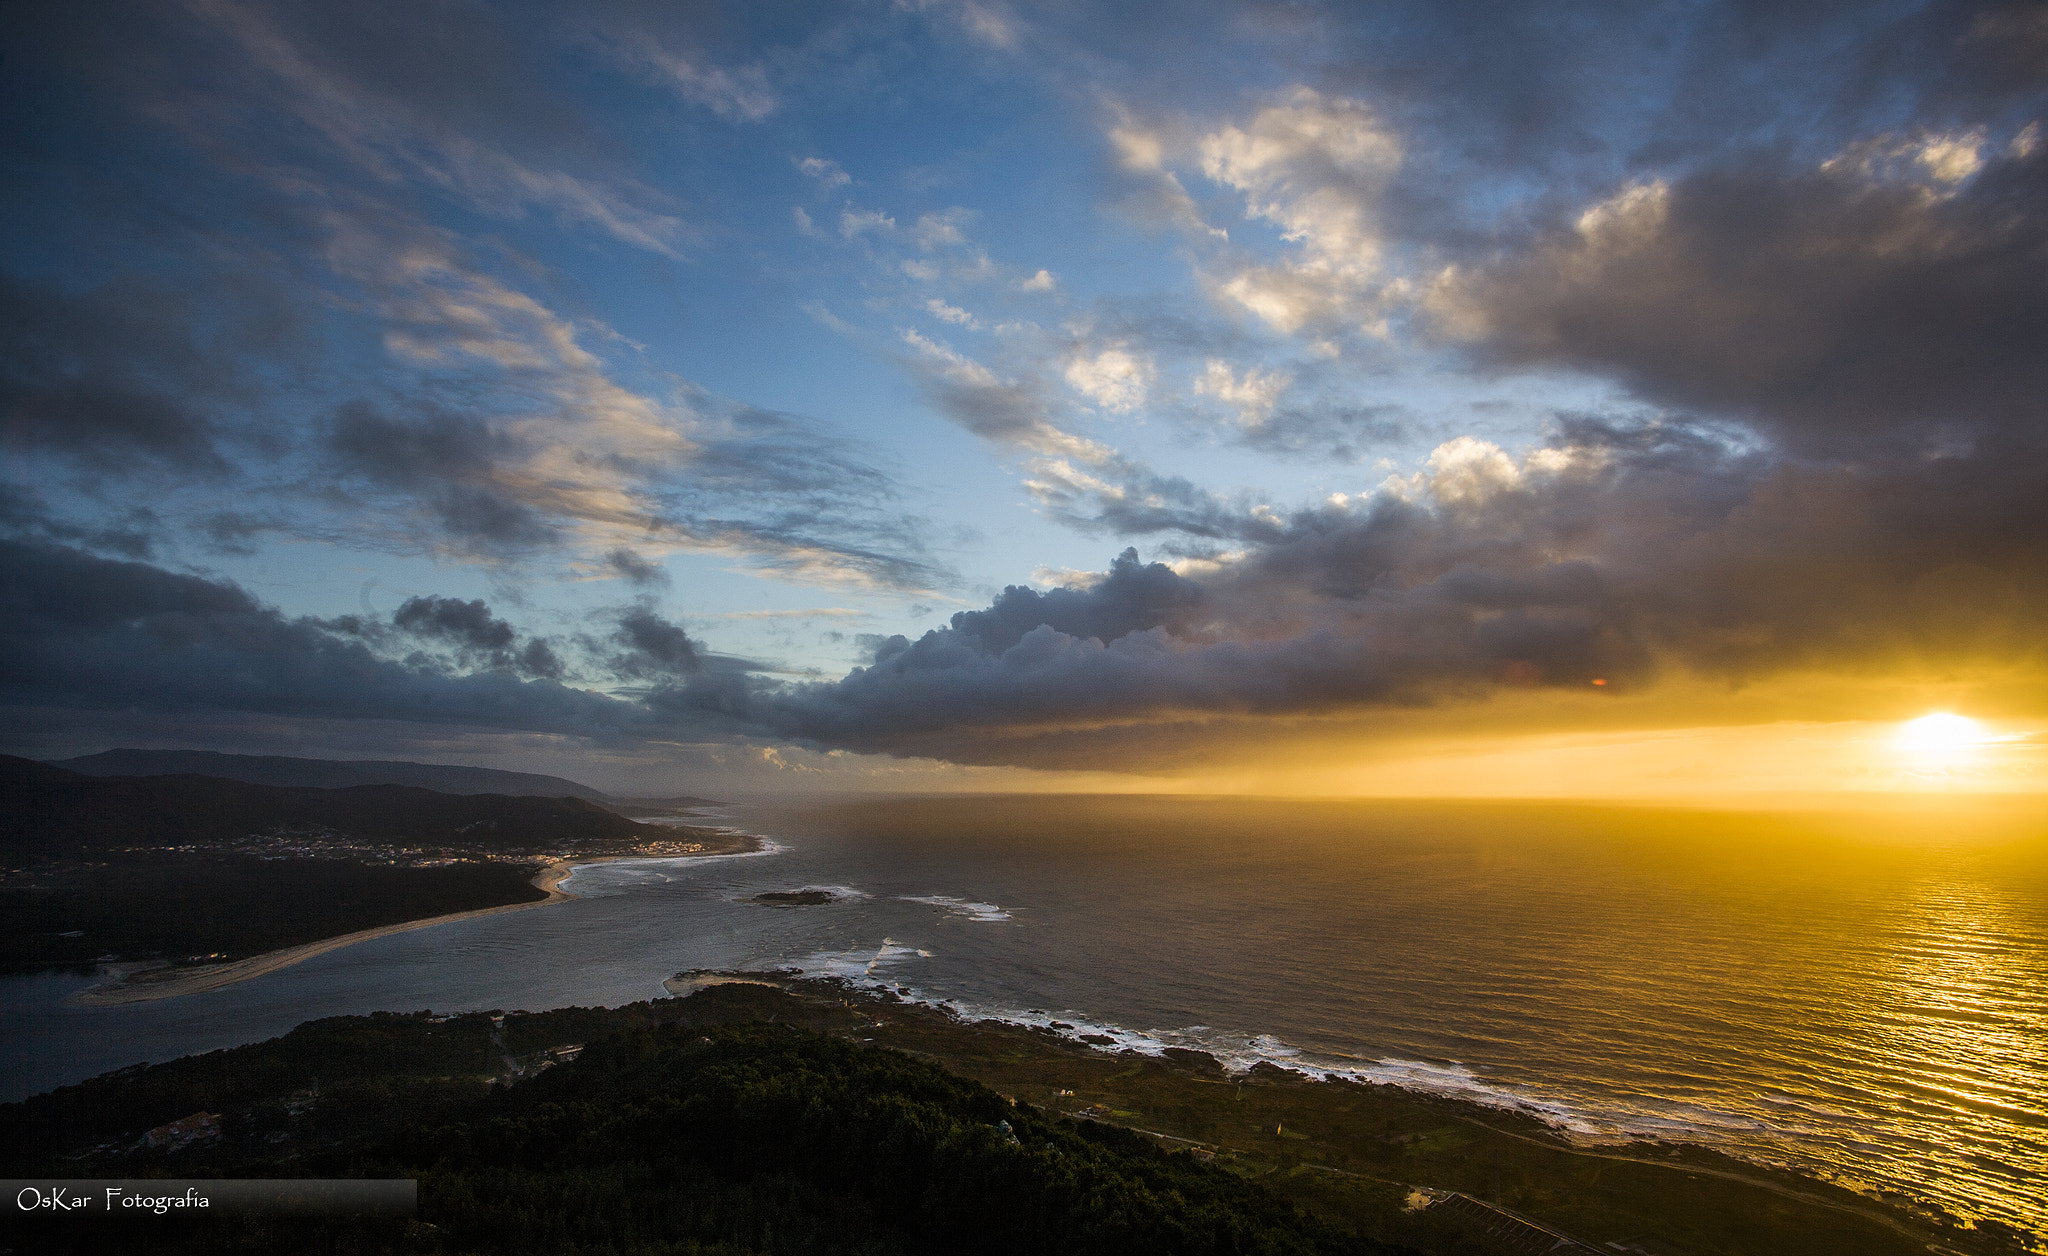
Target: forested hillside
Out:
[681,1138]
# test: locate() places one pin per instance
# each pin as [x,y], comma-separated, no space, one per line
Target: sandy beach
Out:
[140,983]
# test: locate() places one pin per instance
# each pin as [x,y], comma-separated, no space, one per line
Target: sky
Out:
[1417,398]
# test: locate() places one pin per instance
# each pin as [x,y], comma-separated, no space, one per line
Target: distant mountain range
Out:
[343,773]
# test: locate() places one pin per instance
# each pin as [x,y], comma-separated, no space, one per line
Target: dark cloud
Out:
[539,659]
[93,633]
[481,640]
[1828,307]
[1646,550]
[636,569]
[113,377]
[133,533]
[469,625]
[1134,596]
[430,446]
[447,461]
[1629,552]
[655,648]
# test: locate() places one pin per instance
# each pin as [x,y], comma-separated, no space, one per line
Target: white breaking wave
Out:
[888,970]
[959,906]
[862,969]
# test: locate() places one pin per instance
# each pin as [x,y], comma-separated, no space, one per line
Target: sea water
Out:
[1863,996]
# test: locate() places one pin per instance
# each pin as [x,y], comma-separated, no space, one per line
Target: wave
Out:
[889,971]
[958,906]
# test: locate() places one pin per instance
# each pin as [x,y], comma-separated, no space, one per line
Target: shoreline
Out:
[1688,1157]
[144,982]
[1087,1036]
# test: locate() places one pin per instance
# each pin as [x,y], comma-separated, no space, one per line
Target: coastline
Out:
[141,983]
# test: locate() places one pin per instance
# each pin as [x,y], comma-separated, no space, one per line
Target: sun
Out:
[1940,737]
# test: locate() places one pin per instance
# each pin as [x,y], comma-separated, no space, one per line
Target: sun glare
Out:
[1941,737]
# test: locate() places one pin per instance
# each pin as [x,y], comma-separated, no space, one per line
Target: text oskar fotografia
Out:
[112,1199]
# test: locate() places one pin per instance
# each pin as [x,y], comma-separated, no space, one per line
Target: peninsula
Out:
[176,884]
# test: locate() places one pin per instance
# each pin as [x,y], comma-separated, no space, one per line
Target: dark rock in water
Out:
[1200,1063]
[1100,1040]
[795,898]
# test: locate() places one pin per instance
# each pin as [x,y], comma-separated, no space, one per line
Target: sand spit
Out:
[138,983]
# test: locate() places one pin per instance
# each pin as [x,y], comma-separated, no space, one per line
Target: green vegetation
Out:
[731,1139]
[747,1119]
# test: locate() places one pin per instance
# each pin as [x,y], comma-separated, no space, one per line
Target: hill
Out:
[327,773]
[51,812]
[814,1119]
[697,1135]
[198,869]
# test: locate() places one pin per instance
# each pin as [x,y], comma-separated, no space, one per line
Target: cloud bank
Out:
[334,278]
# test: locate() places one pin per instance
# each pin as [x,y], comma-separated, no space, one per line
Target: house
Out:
[200,1127]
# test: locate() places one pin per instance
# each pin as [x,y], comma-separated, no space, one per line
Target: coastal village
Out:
[321,842]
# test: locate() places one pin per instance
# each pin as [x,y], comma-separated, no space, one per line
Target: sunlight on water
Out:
[1861,996]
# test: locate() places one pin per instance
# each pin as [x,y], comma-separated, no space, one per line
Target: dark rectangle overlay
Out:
[139,1198]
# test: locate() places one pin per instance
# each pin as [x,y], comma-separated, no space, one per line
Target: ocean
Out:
[1859,995]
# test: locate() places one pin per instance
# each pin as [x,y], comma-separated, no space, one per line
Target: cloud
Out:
[854,222]
[1629,553]
[1114,378]
[570,458]
[1014,412]
[1253,394]
[469,625]
[90,633]
[115,378]
[1822,453]
[1153,194]
[654,647]
[1857,301]
[824,170]
[637,569]
[986,22]
[951,314]
[1313,166]
[942,230]
[1131,597]
[374,83]
[734,92]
